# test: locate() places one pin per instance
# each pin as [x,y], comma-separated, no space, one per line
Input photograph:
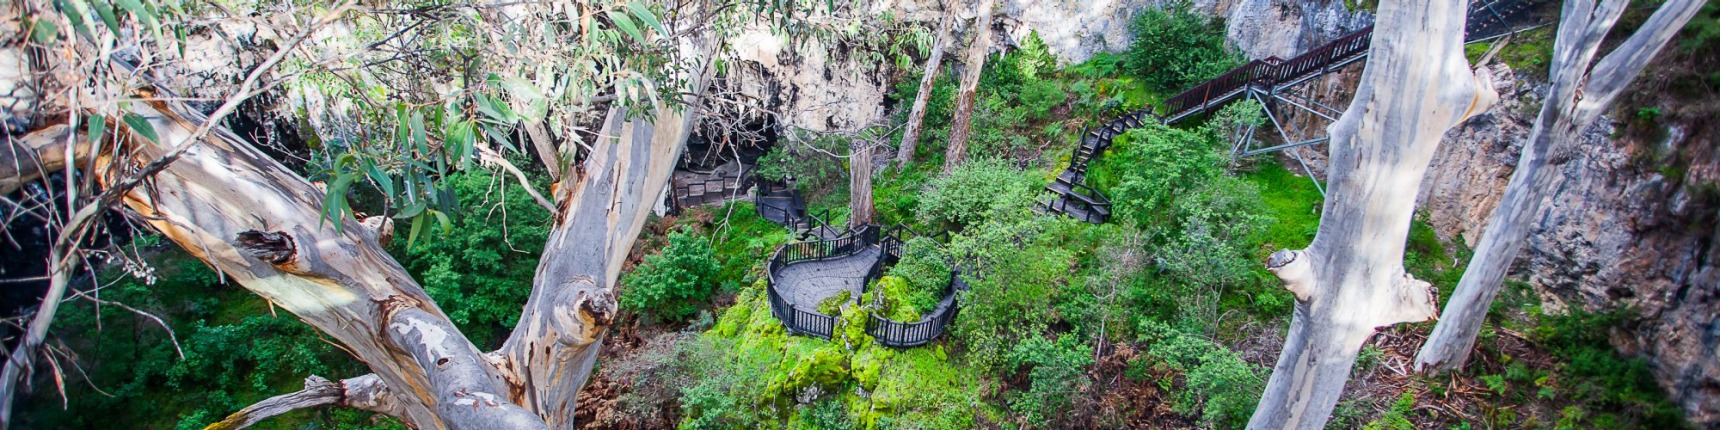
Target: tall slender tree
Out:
[1350,280]
[860,209]
[1582,88]
[928,79]
[298,245]
[962,121]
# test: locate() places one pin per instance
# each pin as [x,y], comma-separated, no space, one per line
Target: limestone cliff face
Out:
[1616,233]
[811,87]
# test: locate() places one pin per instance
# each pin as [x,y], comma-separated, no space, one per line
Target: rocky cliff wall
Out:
[1617,232]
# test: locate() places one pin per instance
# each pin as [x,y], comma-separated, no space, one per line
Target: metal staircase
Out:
[1267,80]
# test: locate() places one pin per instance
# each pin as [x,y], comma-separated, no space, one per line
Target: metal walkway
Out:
[1271,82]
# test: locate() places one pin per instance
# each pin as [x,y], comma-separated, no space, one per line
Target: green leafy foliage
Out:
[1612,391]
[926,271]
[808,161]
[1397,417]
[1215,381]
[1056,375]
[976,192]
[1018,268]
[1176,47]
[235,352]
[672,285]
[480,270]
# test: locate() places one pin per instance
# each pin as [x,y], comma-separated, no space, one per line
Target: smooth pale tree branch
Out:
[1577,97]
[1614,72]
[489,156]
[363,392]
[1350,280]
[602,206]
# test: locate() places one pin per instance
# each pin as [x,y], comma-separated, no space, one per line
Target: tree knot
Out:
[273,247]
[1294,269]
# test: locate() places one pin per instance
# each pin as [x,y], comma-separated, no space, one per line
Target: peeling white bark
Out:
[962,120]
[929,78]
[364,392]
[1579,95]
[603,206]
[1350,280]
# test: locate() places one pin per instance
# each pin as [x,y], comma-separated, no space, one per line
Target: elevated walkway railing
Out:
[804,321]
[1487,19]
[890,243]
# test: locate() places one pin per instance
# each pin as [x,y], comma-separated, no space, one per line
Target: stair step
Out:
[1078,212]
[1071,176]
[1068,191]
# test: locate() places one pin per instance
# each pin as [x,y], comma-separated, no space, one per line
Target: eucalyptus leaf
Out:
[74,11]
[44,32]
[644,14]
[106,12]
[141,126]
[412,235]
[94,127]
[626,25]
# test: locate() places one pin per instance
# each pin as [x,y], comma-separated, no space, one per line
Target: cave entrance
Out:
[718,162]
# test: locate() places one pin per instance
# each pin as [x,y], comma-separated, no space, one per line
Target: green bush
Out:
[480,271]
[927,272]
[891,298]
[671,285]
[1613,391]
[1055,375]
[1176,47]
[1216,382]
[1019,270]
[1145,174]
[975,192]
[236,352]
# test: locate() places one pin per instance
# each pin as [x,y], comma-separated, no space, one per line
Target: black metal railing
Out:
[890,243]
[1077,199]
[1487,19]
[898,334]
[768,202]
[803,321]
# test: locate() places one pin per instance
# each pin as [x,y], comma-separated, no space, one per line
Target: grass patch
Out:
[1290,199]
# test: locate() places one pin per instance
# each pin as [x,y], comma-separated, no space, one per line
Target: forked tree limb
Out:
[362,392]
[1579,94]
[1350,280]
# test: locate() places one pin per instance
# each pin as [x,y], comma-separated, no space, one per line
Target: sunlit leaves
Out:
[142,127]
[644,14]
[624,23]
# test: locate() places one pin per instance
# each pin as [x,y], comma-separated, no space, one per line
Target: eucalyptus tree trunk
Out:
[1350,280]
[860,183]
[962,121]
[1580,93]
[917,114]
[261,225]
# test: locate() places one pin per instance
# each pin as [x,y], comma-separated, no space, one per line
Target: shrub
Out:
[1602,380]
[1018,272]
[480,271]
[926,271]
[1216,382]
[1055,376]
[891,297]
[671,284]
[1145,174]
[975,192]
[1176,47]
[833,305]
